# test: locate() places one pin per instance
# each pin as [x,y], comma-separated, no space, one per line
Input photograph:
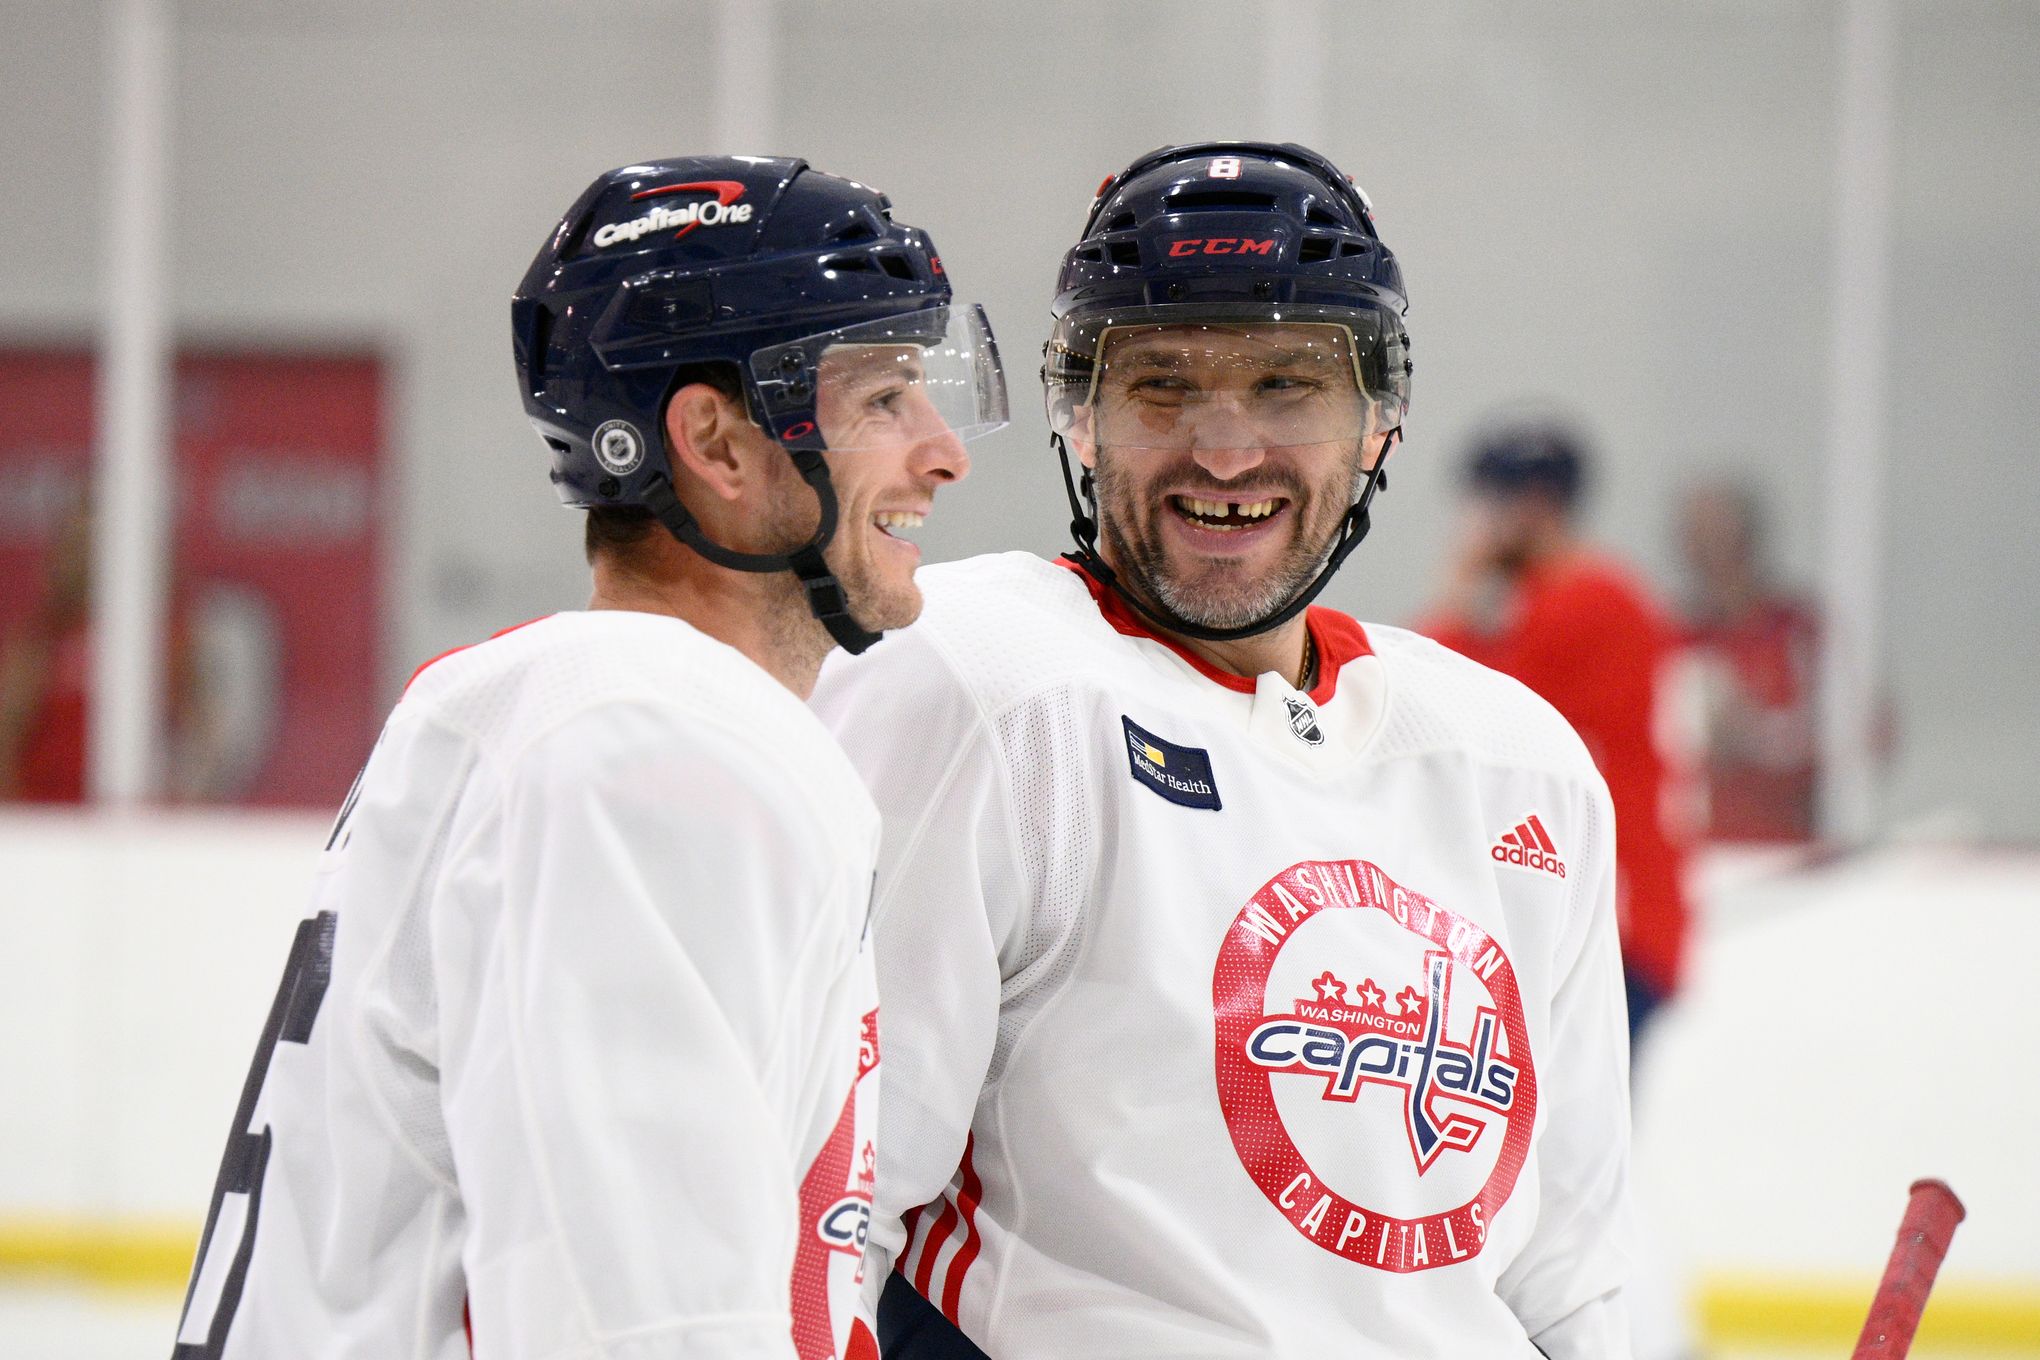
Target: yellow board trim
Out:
[123,1253]
[1747,1310]
[1828,1312]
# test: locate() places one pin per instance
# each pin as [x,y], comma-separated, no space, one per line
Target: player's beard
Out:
[1222,593]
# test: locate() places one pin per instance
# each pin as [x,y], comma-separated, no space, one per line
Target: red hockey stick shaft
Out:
[1931,1213]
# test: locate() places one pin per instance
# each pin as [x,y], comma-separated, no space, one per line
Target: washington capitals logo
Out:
[1353,1043]
[846,1224]
[1347,1006]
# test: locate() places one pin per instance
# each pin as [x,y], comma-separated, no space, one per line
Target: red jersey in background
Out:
[1757,672]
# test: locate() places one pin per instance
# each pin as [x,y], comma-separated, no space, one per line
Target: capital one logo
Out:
[1412,1021]
[713,212]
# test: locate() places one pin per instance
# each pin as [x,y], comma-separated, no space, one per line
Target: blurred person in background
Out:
[1528,596]
[1751,666]
[572,1056]
[221,684]
[45,672]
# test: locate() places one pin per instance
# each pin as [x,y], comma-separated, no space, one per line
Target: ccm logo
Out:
[1219,245]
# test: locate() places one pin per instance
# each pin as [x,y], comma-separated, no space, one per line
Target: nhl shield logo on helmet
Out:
[618,447]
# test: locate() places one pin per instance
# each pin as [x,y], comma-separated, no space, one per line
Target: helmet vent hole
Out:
[1124,252]
[1352,248]
[859,230]
[1121,222]
[1095,254]
[1316,249]
[539,345]
[897,266]
[1192,199]
[850,264]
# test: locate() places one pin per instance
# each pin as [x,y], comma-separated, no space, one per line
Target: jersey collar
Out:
[1339,639]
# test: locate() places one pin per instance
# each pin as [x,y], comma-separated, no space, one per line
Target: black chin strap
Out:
[825,596]
[1084,528]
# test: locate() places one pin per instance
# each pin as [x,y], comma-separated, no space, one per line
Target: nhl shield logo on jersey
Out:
[1352,1015]
[1303,722]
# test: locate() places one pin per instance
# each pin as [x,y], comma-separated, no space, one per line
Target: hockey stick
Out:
[1931,1213]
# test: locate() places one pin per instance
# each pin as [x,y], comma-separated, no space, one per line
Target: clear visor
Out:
[1221,384]
[931,374]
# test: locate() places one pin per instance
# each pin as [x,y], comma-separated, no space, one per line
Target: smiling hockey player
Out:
[571,1058]
[1214,1024]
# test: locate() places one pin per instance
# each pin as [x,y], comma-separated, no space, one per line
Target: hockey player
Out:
[569,1056]
[1250,974]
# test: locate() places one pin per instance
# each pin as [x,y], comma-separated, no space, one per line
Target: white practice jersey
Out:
[572,1047]
[1227,1020]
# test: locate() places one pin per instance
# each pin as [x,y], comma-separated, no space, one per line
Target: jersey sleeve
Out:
[643,941]
[949,889]
[1567,1284]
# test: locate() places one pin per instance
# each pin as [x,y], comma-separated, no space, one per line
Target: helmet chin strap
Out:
[825,596]
[1084,528]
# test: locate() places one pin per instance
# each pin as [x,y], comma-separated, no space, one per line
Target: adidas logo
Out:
[1528,846]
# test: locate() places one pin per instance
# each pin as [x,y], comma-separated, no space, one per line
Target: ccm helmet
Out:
[1205,239]
[756,262]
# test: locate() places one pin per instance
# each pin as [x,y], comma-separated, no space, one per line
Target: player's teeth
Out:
[1204,509]
[899,519]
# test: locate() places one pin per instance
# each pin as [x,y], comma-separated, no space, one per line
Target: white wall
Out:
[1849,1029]
[1624,207]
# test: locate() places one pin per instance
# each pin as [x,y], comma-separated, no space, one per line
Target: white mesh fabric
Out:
[1059,835]
[1442,701]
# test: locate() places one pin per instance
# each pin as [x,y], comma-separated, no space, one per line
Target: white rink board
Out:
[1848,1028]
[138,958]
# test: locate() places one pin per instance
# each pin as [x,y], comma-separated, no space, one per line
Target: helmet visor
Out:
[1206,382]
[903,379]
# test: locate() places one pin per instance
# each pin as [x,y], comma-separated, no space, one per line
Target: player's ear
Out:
[706,439]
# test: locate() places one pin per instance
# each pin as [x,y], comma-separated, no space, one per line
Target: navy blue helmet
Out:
[1533,455]
[759,263]
[1228,234]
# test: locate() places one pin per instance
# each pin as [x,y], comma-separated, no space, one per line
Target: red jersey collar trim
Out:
[456,651]
[1339,638]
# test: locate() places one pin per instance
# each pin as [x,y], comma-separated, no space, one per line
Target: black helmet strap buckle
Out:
[825,595]
[1084,528]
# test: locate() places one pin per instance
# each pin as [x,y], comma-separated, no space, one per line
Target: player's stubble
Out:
[1214,592]
[880,600]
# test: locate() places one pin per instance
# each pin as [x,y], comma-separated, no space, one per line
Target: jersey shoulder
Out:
[995,628]
[1440,700]
[512,692]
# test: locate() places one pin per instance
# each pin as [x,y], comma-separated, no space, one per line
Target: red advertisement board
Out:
[276,608]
